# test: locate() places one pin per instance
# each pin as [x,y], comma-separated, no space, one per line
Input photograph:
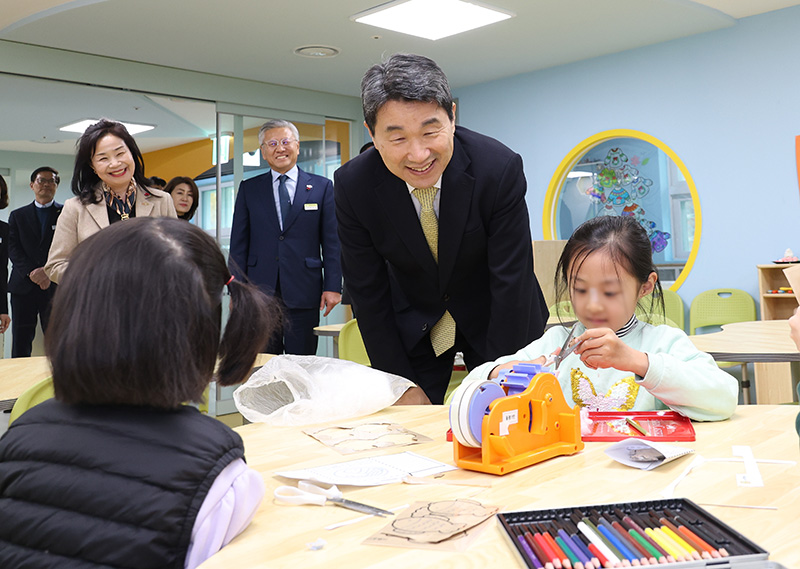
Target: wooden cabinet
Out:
[774,306]
[774,381]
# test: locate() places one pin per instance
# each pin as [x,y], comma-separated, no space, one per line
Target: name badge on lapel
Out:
[311,206]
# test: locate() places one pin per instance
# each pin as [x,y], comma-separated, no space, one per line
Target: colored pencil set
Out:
[624,535]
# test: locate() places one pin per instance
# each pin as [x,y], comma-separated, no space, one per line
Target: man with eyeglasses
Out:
[31,229]
[284,239]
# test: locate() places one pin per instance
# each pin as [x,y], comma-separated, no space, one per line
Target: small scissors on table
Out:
[308,493]
[555,360]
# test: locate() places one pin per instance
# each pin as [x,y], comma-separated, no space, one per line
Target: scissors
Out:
[555,360]
[308,493]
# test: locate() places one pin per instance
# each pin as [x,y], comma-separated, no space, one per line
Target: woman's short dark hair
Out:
[136,319]
[3,193]
[625,241]
[84,178]
[195,194]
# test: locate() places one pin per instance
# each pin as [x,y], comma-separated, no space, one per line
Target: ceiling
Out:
[255,39]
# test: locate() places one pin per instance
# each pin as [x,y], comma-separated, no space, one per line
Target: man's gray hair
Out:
[404,77]
[276,123]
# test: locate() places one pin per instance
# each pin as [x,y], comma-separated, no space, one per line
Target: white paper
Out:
[372,471]
[622,451]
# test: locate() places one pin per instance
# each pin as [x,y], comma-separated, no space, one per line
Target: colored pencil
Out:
[655,555]
[603,527]
[644,556]
[585,560]
[594,536]
[625,562]
[537,548]
[546,547]
[561,555]
[690,543]
[527,548]
[582,542]
[690,534]
[702,529]
[662,555]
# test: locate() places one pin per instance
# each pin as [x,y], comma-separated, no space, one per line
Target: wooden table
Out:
[767,344]
[18,374]
[279,534]
[331,330]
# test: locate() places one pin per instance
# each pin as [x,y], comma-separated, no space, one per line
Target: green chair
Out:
[351,346]
[563,310]
[32,396]
[720,306]
[674,308]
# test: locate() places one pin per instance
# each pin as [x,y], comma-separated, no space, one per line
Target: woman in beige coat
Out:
[109,185]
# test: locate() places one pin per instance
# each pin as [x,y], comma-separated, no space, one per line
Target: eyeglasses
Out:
[274,143]
[46,181]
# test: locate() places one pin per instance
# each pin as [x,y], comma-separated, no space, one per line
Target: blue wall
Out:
[727,102]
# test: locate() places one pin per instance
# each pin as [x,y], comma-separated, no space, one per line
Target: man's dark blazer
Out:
[260,250]
[27,246]
[485,273]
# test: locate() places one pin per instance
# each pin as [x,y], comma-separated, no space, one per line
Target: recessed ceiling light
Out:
[317,51]
[431,19]
[81,126]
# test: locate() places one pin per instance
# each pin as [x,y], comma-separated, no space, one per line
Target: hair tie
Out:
[230,280]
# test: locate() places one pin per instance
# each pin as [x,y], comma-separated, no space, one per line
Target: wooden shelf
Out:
[774,306]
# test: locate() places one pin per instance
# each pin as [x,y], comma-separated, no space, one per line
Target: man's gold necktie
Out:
[443,333]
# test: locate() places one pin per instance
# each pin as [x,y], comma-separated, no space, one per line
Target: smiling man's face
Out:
[281,157]
[415,140]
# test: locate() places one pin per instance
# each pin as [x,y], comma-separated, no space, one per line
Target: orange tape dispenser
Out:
[515,421]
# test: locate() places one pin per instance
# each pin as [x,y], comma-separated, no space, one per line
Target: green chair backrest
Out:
[32,396]
[563,310]
[351,345]
[674,308]
[720,306]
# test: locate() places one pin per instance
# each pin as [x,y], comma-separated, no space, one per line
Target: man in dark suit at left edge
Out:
[31,229]
[284,239]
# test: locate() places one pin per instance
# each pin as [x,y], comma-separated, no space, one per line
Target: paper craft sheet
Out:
[372,471]
[349,439]
[449,525]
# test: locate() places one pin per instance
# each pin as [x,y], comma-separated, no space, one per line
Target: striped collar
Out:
[629,327]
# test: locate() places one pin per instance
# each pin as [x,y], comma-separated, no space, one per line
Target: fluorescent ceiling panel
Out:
[81,126]
[431,19]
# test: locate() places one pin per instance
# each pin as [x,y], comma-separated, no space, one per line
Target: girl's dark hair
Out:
[3,193]
[84,178]
[195,194]
[625,241]
[136,319]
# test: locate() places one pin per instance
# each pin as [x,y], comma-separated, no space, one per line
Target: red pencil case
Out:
[659,426]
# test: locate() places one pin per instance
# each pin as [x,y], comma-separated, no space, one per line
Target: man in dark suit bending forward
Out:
[436,242]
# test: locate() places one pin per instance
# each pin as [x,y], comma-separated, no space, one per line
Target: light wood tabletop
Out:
[755,341]
[766,344]
[18,374]
[279,534]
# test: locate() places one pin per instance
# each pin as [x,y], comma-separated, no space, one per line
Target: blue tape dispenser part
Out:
[469,405]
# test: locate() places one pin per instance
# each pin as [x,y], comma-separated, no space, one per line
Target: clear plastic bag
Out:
[304,390]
